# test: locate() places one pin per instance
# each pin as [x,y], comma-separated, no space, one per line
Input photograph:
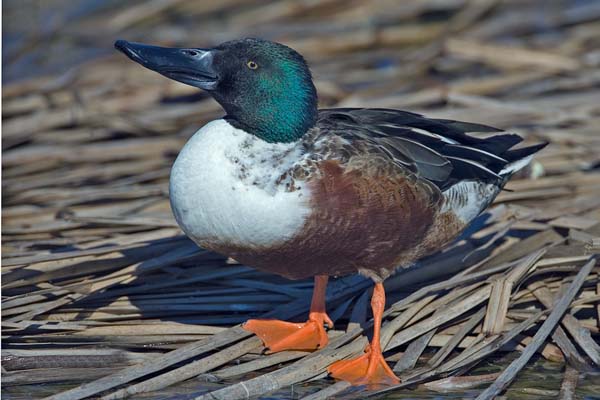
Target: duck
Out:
[285,187]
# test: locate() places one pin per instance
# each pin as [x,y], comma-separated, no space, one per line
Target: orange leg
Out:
[310,335]
[369,369]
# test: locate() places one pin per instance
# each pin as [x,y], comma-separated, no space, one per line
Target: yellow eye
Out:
[252,65]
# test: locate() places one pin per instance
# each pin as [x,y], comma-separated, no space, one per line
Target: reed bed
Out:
[103,297]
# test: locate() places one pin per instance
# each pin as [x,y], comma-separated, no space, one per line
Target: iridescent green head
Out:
[266,88]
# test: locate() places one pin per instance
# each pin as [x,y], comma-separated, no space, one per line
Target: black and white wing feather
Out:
[468,170]
[437,149]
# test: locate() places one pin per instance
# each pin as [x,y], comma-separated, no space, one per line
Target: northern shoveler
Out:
[287,188]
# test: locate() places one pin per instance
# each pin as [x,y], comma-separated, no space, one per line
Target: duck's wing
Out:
[437,150]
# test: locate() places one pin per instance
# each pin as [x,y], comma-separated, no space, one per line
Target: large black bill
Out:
[190,66]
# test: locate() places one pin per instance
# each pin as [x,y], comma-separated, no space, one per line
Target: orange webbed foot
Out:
[370,369]
[280,335]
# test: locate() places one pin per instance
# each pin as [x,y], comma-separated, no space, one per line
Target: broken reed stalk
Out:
[543,332]
[152,365]
[189,370]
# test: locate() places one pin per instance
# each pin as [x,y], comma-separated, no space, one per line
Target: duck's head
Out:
[266,88]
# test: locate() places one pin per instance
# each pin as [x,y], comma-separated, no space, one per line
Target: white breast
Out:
[225,188]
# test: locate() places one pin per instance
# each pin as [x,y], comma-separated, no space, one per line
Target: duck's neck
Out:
[275,123]
[280,110]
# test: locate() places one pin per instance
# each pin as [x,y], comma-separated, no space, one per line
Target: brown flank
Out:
[370,220]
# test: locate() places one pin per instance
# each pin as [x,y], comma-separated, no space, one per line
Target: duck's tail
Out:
[519,159]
